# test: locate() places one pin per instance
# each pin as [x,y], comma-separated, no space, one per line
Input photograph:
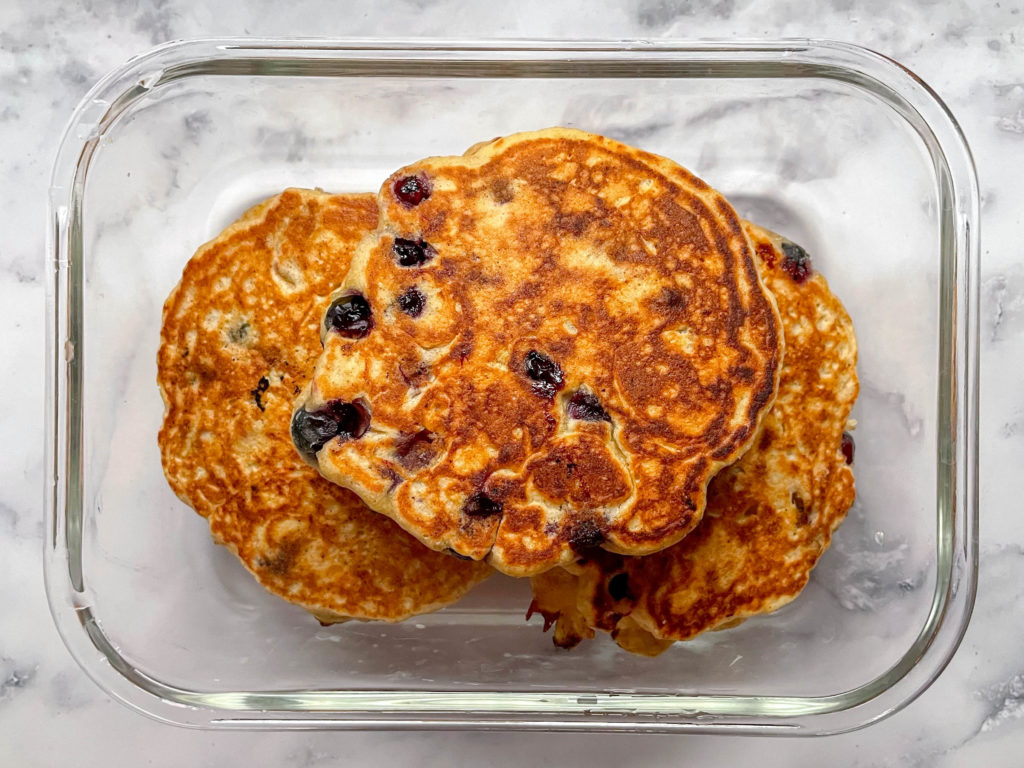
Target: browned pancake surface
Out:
[769,516]
[594,344]
[239,340]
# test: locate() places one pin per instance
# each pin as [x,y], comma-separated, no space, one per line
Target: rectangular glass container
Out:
[839,148]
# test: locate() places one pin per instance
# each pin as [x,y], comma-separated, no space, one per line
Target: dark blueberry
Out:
[618,586]
[796,262]
[257,394]
[412,253]
[412,302]
[585,537]
[311,430]
[586,407]
[546,374]
[350,316]
[846,445]
[481,505]
[408,442]
[415,451]
[412,190]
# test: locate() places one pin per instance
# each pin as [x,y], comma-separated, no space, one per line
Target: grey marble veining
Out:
[971,53]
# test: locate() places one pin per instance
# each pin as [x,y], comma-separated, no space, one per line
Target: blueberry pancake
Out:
[550,346]
[769,516]
[240,337]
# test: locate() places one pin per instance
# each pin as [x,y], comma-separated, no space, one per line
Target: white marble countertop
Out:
[51,52]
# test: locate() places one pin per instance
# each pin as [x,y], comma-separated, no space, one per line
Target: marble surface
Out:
[51,52]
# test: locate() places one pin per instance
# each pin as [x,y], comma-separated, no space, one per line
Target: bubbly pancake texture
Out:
[770,515]
[590,344]
[239,340]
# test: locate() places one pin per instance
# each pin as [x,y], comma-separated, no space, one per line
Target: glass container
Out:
[837,147]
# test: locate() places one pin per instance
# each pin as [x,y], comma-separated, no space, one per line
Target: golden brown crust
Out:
[629,273]
[239,339]
[769,517]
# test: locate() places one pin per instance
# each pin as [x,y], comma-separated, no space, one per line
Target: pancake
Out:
[770,515]
[239,340]
[550,347]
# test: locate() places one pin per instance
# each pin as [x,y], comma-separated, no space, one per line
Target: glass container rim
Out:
[957,492]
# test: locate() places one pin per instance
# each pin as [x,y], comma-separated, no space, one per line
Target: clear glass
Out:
[837,147]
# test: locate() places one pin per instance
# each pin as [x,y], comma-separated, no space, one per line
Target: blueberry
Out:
[414,450]
[412,190]
[257,394]
[585,537]
[412,253]
[846,445]
[412,302]
[546,374]
[481,505]
[586,407]
[796,262]
[618,586]
[311,430]
[350,316]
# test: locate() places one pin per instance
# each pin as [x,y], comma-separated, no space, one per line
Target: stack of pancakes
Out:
[556,356]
